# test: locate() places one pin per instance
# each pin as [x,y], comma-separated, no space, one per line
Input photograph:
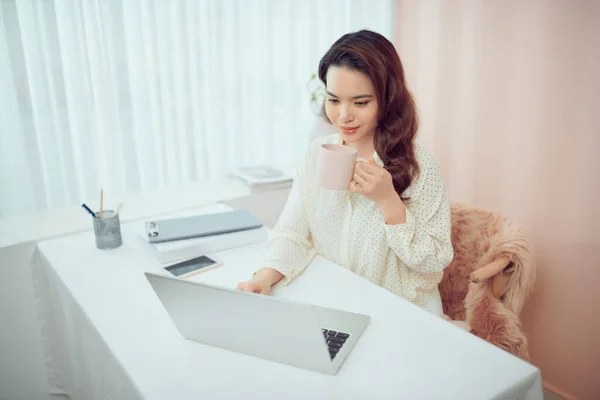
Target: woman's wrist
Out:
[269,276]
[393,210]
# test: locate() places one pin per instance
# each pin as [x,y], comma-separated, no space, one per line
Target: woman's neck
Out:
[364,147]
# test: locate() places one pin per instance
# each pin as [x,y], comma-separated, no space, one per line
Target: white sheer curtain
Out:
[142,94]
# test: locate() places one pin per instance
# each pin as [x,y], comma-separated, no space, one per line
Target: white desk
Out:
[22,370]
[108,336]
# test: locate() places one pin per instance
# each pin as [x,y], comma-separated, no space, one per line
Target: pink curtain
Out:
[509,97]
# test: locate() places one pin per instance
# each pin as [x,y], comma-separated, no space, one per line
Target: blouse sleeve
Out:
[289,248]
[424,242]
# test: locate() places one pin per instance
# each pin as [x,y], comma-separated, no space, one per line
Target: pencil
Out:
[118,209]
[101,196]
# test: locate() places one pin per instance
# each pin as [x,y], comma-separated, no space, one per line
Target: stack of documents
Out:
[216,228]
[263,177]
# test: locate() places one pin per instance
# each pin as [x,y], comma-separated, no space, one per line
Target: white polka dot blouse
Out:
[347,228]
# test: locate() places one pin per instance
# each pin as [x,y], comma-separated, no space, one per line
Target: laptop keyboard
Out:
[335,341]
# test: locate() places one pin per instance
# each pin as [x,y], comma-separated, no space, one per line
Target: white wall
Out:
[266,206]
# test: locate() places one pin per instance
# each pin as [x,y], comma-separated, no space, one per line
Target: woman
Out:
[393,227]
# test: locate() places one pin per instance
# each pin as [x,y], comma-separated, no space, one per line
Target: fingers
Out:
[257,289]
[358,178]
[246,287]
[265,290]
[367,177]
[368,168]
[356,188]
[252,287]
[363,174]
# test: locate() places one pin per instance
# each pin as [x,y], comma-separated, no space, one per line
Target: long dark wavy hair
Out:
[376,57]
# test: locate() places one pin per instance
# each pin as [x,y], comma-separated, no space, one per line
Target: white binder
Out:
[166,230]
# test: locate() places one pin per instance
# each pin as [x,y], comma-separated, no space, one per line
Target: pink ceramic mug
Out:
[336,166]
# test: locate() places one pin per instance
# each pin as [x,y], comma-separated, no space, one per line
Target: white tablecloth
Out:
[107,336]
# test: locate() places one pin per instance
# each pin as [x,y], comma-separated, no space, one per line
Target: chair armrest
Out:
[489,270]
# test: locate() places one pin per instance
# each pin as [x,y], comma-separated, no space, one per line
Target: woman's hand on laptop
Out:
[254,287]
[261,282]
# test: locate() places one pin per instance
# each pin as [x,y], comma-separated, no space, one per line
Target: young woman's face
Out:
[351,104]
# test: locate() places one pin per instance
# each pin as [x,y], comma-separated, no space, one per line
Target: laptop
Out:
[280,330]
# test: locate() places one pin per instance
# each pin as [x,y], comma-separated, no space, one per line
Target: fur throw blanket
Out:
[478,238]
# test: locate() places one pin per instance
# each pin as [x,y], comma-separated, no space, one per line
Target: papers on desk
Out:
[175,251]
[263,177]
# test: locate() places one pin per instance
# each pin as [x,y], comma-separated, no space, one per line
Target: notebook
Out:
[166,230]
[169,253]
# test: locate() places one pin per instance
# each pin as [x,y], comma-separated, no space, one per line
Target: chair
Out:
[487,283]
